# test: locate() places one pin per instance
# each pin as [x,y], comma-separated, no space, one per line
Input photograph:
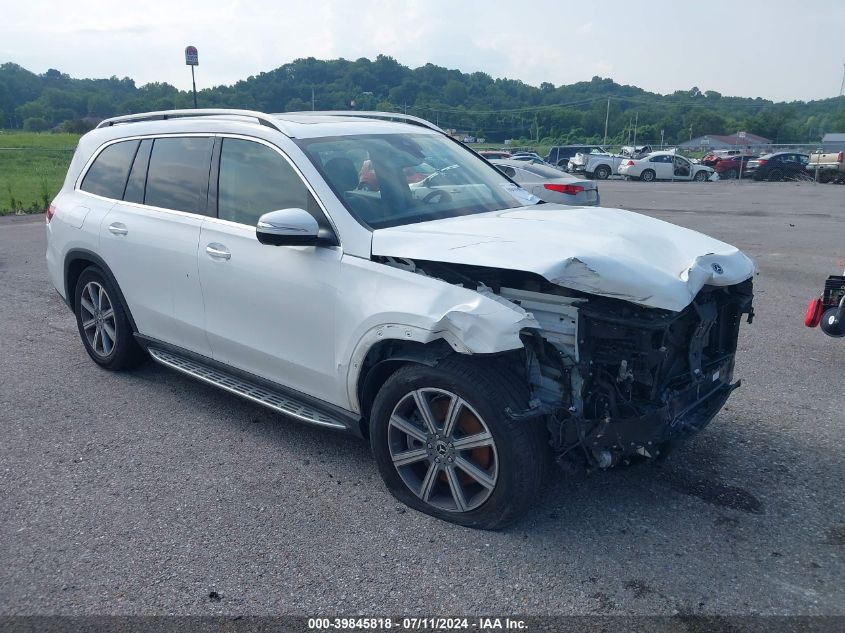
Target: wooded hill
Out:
[472,102]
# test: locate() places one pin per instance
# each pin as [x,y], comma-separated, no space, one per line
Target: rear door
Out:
[149,239]
[662,166]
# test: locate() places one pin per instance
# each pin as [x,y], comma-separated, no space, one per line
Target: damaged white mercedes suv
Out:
[470,331]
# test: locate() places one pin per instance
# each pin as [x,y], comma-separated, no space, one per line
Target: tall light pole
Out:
[606,117]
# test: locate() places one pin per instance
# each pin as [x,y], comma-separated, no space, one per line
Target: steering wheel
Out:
[437,196]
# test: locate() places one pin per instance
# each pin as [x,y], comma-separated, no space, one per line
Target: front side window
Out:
[255,179]
[177,177]
[107,176]
[459,182]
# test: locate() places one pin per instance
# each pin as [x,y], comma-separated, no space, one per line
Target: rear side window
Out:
[107,176]
[255,179]
[177,176]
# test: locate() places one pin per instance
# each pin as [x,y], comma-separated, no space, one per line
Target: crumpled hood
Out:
[608,252]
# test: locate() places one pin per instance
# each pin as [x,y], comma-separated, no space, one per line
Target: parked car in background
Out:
[368,180]
[492,153]
[716,155]
[577,163]
[527,156]
[602,166]
[730,167]
[778,166]
[636,151]
[830,166]
[550,184]
[664,166]
[560,154]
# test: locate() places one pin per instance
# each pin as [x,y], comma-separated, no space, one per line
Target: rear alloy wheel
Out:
[103,322]
[700,176]
[445,445]
[647,176]
[602,172]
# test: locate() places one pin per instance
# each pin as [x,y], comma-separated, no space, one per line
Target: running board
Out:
[283,403]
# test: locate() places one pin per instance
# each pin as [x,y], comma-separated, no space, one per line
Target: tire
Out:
[509,467]
[700,176]
[730,174]
[602,172]
[775,175]
[648,175]
[103,322]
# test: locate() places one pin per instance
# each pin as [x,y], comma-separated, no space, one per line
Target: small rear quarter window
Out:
[107,175]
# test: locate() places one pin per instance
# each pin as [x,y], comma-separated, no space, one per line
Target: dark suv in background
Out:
[560,154]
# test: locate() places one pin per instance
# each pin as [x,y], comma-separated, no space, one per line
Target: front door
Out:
[270,310]
[682,168]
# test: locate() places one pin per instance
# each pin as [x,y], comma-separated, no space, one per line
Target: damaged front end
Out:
[642,377]
[613,379]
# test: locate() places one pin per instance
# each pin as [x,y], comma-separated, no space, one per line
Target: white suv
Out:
[470,331]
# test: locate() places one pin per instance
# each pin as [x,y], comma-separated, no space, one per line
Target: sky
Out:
[782,50]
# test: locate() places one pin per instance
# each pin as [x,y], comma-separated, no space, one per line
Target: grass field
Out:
[32,169]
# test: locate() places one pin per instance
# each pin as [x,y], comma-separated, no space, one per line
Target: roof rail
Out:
[374,114]
[163,115]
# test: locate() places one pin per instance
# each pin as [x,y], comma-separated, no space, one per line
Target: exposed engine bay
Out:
[614,380]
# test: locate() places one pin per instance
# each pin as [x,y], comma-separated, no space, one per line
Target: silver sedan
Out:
[550,184]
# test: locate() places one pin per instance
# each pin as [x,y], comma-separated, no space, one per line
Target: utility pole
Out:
[636,121]
[842,87]
[312,98]
[606,117]
[661,139]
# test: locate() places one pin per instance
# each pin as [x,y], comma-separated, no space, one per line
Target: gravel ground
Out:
[149,493]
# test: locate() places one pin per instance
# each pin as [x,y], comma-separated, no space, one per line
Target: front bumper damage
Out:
[640,378]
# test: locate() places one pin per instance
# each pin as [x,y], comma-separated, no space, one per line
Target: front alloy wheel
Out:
[446,442]
[443,450]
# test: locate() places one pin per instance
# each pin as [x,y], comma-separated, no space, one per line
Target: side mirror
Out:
[288,227]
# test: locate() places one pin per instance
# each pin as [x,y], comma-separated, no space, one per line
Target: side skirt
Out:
[299,406]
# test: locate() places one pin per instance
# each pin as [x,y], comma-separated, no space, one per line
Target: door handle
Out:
[118,228]
[218,251]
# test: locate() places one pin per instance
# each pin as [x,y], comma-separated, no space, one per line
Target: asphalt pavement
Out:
[149,493]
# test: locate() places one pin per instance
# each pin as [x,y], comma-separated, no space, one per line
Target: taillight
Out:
[813,316]
[51,211]
[567,189]
[630,163]
[762,161]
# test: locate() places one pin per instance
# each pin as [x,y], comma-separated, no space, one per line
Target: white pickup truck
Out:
[830,166]
[602,165]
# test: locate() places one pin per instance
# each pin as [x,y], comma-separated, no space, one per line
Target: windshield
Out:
[393,179]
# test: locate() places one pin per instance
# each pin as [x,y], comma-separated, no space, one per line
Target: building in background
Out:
[833,142]
[717,141]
